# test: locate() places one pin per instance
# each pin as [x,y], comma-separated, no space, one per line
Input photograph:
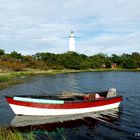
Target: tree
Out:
[116,59]
[86,64]
[98,60]
[37,56]
[136,58]
[128,62]
[71,60]
[2,52]
[16,55]
[108,62]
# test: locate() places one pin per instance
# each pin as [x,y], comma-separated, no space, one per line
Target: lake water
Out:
[123,124]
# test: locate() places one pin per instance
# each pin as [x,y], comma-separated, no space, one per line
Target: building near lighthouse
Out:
[72,42]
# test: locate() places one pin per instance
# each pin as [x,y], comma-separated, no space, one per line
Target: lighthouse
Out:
[72,41]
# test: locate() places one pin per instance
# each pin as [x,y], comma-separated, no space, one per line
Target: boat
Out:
[65,103]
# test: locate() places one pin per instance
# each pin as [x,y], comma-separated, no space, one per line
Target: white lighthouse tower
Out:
[72,41]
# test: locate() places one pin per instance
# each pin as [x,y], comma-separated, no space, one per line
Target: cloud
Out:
[106,26]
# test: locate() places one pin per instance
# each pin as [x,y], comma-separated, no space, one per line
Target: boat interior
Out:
[72,96]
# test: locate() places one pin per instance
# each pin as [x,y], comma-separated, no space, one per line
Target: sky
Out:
[100,26]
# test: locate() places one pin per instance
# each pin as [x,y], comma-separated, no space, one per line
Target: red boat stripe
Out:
[66,105]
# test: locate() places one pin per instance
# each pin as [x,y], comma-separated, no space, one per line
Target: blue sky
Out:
[100,26]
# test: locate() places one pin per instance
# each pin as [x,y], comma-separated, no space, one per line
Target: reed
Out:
[13,134]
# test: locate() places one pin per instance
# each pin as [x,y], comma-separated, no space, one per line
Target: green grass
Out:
[9,79]
[12,78]
[4,78]
[13,134]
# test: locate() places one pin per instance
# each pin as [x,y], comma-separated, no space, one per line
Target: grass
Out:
[13,134]
[9,79]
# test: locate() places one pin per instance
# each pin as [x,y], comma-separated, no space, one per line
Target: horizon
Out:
[108,27]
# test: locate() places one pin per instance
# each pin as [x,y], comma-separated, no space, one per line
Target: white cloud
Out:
[106,26]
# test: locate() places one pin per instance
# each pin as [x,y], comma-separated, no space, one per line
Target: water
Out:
[123,124]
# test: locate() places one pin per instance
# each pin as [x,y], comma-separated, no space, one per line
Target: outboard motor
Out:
[111,92]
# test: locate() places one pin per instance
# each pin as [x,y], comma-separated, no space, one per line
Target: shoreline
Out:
[8,79]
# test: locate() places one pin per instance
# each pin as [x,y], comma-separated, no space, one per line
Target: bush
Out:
[15,66]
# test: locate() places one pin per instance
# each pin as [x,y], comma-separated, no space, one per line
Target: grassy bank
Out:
[39,134]
[13,134]
[8,79]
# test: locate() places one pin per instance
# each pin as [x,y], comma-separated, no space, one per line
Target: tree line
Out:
[69,60]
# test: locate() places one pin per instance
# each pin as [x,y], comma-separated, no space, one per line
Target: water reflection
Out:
[70,127]
[105,116]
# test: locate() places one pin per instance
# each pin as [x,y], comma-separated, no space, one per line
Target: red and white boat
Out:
[64,104]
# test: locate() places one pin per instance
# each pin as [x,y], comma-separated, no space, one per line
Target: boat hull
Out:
[40,109]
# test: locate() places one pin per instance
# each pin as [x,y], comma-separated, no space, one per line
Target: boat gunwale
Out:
[67,102]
